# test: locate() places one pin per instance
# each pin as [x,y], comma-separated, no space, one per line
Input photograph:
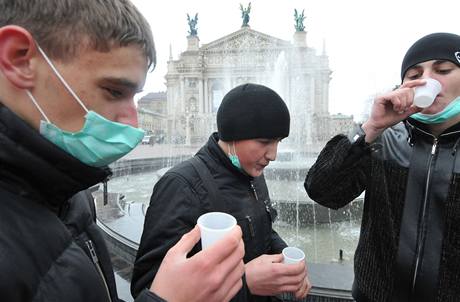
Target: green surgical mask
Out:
[100,141]
[234,158]
[451,110]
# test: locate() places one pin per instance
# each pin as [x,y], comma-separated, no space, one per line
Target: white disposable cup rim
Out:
[428,91]
[290,259]
[204,227]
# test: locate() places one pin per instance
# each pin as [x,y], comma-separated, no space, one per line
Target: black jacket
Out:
[410,236]
[45,235]
[180,197]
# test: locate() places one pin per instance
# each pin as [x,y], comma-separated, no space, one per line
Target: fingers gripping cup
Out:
[292,255]
[214,226]
[424,95]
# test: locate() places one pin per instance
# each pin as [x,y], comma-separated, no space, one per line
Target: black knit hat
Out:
[252,111]
[437,46]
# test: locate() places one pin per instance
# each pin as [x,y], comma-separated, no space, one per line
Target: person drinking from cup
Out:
[406,159]
[226,175]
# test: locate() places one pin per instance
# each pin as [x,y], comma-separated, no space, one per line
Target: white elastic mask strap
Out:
[38,106]
[234,148]
[56,72]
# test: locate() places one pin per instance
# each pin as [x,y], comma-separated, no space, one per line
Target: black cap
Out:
[252,111]
[437,46]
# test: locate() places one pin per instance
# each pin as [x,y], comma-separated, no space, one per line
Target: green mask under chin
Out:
[451,110]
[233,157]
[235,160]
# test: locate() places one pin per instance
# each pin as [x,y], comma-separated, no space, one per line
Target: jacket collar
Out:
[33,167]
[214,150]
[423,128]
[417,129]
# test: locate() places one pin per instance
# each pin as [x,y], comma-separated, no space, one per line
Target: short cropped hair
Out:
[63,27]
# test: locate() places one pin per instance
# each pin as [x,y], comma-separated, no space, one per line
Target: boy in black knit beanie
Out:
[226,175]
[405,159]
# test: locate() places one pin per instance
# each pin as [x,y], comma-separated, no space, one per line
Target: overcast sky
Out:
[365,40]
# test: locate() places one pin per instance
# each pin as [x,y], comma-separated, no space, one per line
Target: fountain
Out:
[327,237]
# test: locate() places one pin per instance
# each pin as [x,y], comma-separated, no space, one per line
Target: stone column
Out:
[206,96]
[201,99]
[188,138]
[182,95]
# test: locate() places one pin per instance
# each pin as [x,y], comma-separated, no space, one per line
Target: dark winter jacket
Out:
[180,197]
[50,246]
[409,245]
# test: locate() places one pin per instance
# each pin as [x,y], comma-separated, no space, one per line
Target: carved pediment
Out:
[245,39]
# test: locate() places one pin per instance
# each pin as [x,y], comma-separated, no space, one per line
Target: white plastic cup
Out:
[292,255]
[214,226]
[425,95]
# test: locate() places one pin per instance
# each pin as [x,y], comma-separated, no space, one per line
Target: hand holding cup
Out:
[293,255]
[214,226]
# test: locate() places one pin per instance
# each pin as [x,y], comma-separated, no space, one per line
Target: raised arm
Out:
[340,173]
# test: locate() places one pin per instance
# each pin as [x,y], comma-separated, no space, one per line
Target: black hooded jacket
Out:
[180,197]
[50,246]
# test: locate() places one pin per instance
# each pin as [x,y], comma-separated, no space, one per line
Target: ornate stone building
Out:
[152,113]
[154,101]
[198,80]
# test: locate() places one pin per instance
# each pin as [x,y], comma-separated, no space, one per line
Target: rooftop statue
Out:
[192,24]
[299,20]
[245,14]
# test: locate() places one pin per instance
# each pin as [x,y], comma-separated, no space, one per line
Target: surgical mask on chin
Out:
[451,110]
[100,141]
[234,158]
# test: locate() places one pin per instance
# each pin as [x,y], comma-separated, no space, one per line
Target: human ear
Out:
[17,48]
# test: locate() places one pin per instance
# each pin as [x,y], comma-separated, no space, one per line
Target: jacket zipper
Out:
[267,208]
[421,233]
[248,218]
[251,227]
[254,190]
[92,251]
